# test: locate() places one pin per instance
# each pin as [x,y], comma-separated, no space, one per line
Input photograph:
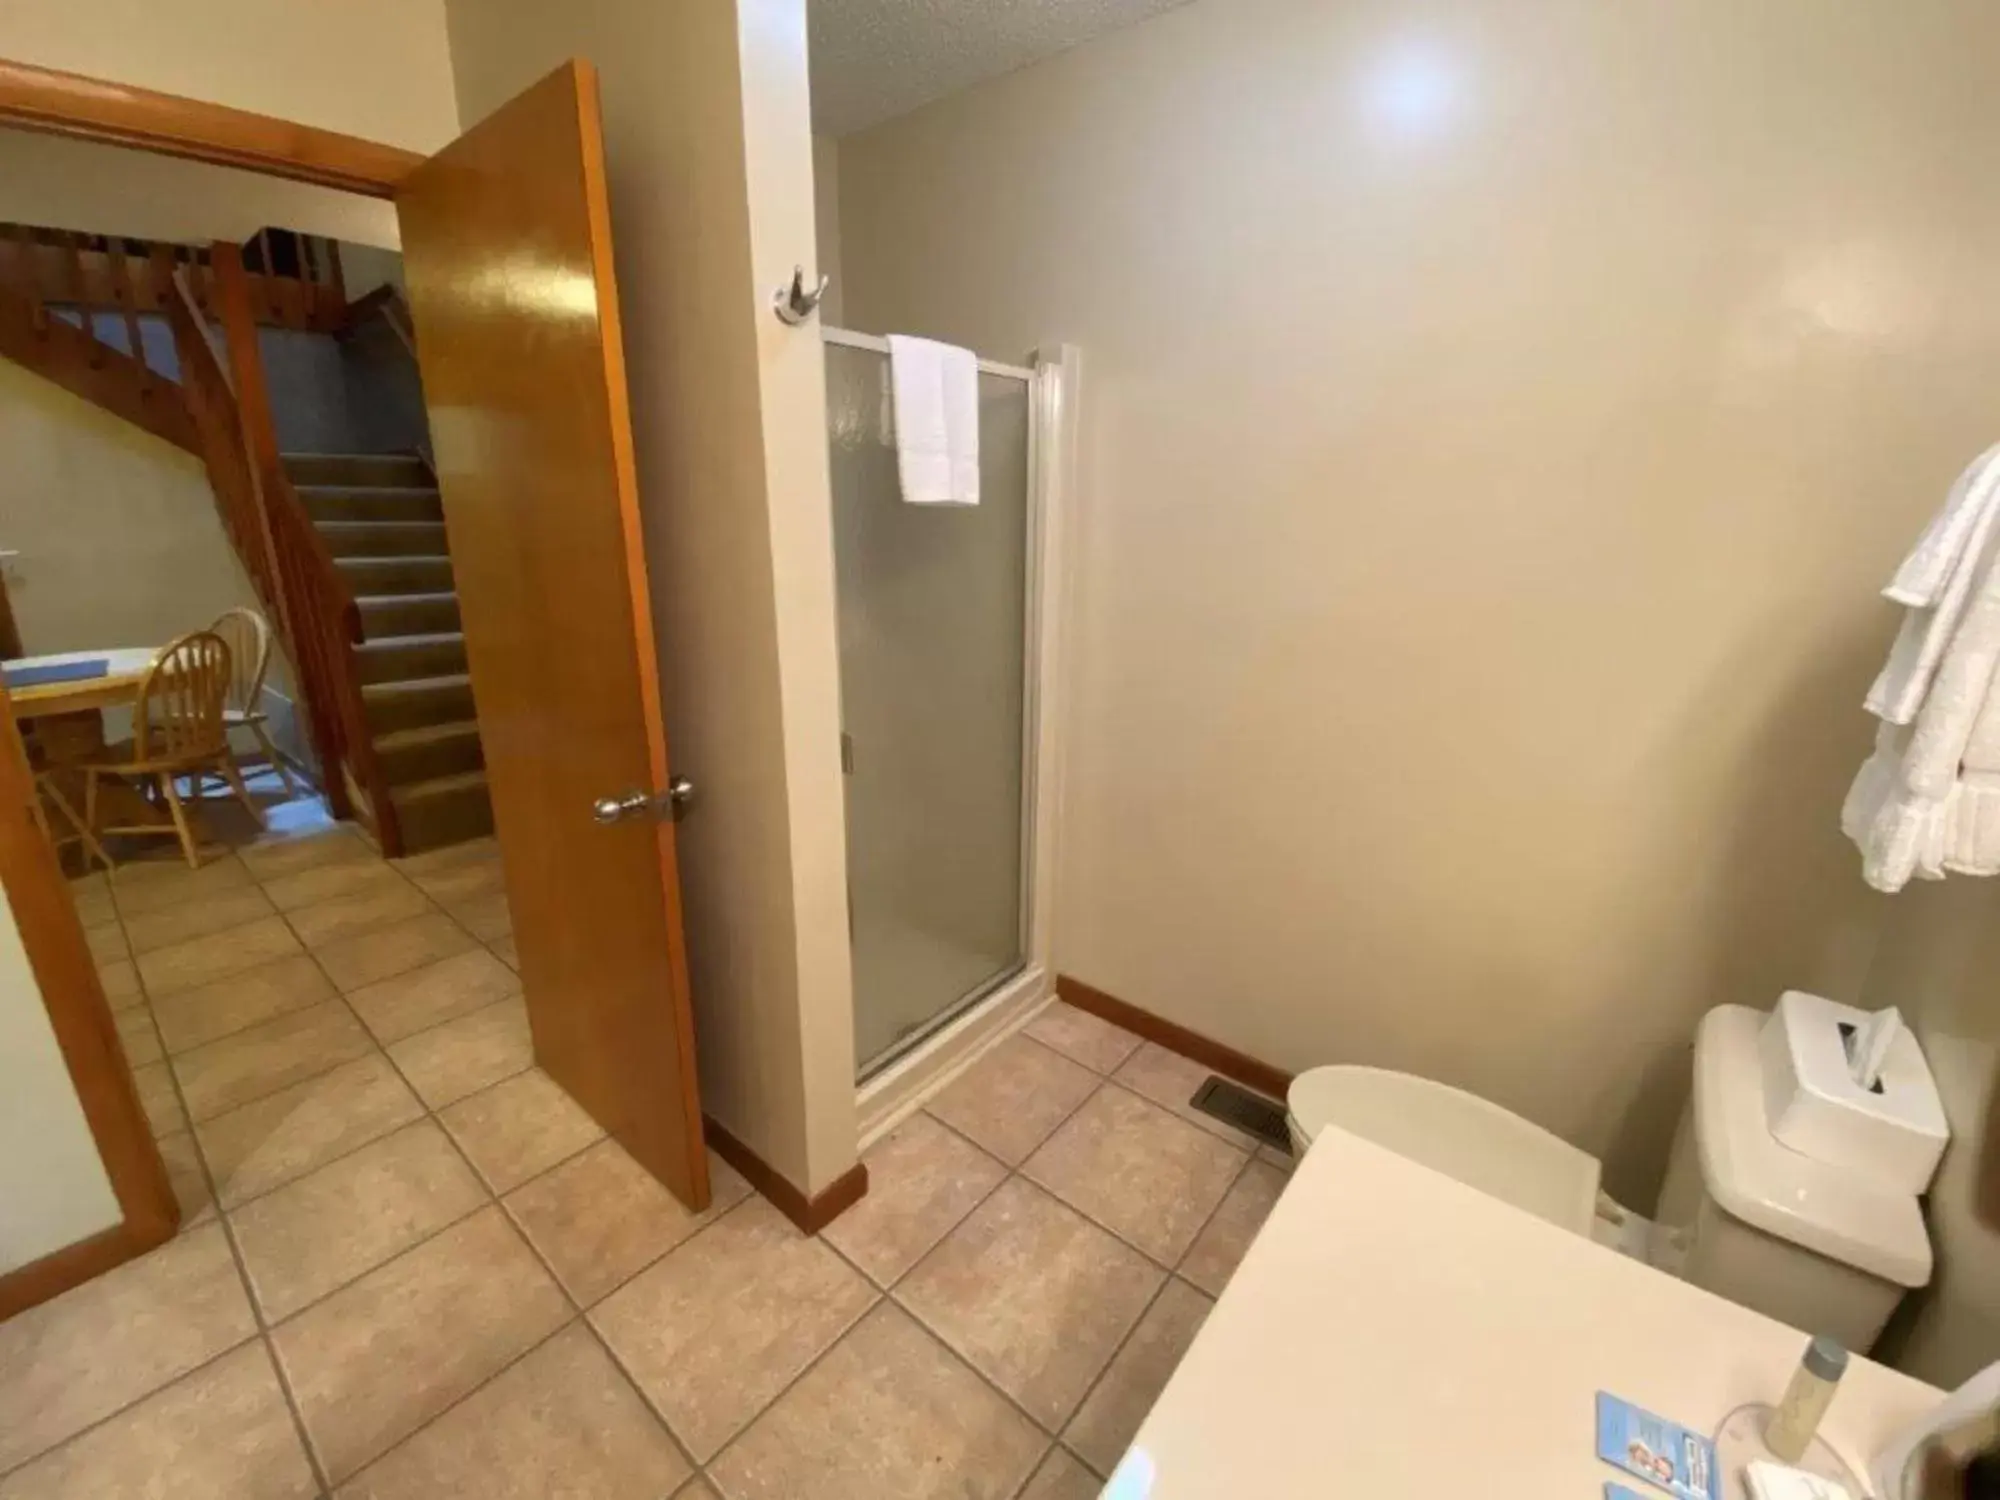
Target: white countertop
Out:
[1394,1333]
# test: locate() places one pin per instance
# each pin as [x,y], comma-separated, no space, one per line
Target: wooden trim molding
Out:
[55,1273]
[1211,1054]
[118,114]
[811,1215]
[80,1016]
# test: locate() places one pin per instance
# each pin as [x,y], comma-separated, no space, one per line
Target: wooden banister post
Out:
[121,291]
[160,276]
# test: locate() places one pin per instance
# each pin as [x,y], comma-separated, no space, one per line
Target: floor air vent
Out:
[1248,1112]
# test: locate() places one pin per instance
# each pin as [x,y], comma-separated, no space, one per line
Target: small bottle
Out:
[1789,1432]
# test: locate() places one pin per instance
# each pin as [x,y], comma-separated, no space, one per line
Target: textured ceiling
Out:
[875,59]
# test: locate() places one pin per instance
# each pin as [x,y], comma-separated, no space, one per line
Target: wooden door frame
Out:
[117,114]
[120,114]
[80,1015]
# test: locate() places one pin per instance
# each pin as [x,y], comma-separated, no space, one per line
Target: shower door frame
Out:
[1052,376]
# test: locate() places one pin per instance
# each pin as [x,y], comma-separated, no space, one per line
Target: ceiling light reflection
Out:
[1411,91]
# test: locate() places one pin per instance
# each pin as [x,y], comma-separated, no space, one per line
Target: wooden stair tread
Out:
[384,601]
[415,491]
[412,640]
[310,456]
[359,471]
[421,684]
[431,570]
[383,541]
[388,616]
[380,525]
[439,786]
[427,734]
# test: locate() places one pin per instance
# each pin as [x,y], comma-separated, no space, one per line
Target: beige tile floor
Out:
[411,1267]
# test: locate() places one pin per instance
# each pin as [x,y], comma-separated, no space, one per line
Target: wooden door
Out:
[507,254]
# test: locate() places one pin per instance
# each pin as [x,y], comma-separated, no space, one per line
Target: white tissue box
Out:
[1893,1135]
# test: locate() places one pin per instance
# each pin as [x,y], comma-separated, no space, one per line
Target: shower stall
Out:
[942,638]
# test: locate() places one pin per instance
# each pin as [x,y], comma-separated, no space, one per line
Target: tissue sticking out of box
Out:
[1867,1047]
[1814,1054]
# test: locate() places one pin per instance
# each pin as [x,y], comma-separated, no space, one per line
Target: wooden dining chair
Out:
[178,729]
[67,825]
[249,636]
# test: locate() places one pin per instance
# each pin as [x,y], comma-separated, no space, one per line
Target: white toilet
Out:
[1811,1244]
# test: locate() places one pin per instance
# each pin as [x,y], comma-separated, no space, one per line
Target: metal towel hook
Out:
[794,304]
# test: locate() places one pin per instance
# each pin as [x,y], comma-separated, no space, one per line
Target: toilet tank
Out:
[1742,1215]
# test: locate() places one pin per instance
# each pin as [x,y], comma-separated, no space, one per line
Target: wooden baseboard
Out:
[1192,1045]
[55,1273]
[810,1214]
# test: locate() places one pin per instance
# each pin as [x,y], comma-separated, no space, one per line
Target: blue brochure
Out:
[61,671]
[1658,1451]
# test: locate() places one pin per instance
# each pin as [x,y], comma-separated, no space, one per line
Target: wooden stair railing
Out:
[293,571]
[83,364]
[302,290]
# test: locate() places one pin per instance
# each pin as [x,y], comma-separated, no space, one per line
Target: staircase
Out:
[380,517]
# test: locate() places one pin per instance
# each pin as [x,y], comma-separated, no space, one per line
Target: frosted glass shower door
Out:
[932,604]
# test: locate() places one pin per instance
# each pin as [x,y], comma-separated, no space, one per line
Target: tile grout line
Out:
[341,1001]
[1173,1266]
[492,1200]
[339,997]
[876,1297]
[376,1050]
[879,1293]
[224,1222]
[263,1335]
[113,1415]
[1173,1275]
[695,1470]
[1171,1272]
[1041,1140]
[943,1235]
[1012,1173]
[257,1336]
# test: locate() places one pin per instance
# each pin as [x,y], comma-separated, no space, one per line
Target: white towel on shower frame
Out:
[935,388]
[1935,583]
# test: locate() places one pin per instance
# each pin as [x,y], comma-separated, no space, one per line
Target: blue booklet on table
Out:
[1656,1450]
[59,671]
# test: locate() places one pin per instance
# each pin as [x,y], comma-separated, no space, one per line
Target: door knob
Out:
[671,803]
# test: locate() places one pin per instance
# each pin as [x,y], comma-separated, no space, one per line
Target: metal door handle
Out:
[671,803]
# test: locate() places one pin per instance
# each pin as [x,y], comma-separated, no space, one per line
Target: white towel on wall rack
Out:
[1935,583]
[935,390]
[1927,802]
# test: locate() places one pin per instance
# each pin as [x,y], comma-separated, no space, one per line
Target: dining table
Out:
[115,686]
[66,713]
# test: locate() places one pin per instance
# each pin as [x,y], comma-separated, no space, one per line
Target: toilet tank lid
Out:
[1756,1178]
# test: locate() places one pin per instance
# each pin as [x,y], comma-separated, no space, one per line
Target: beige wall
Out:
[1940,962]
[379,69]
[1497,420]
[709,156]
[64,184]
[53,1189]
[826,225]
[119,540]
